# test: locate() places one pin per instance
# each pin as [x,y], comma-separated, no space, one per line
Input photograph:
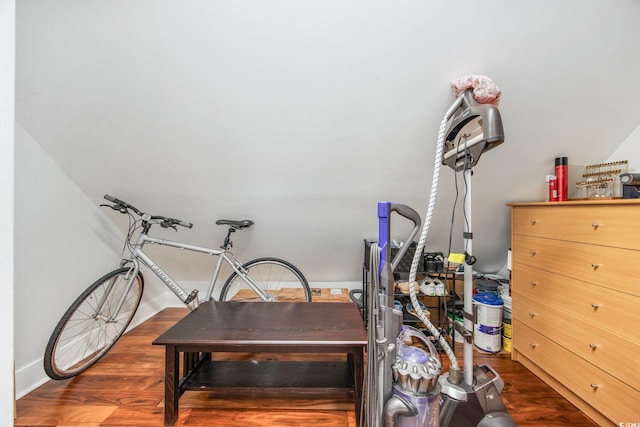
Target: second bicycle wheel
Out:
[84,334]
[281,280]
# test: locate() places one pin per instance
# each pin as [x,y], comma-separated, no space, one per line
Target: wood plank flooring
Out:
[126,388]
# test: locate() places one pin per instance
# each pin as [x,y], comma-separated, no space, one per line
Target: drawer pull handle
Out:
[593,346]
[532,314]
[533,221]
[595,266]
[594,386]
[595,306]
[595,225]
[533,346]
[534,283]
[533,253]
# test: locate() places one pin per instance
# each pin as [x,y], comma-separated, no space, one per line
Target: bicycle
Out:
[101,314]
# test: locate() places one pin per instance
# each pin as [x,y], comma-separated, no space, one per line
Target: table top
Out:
[269,323]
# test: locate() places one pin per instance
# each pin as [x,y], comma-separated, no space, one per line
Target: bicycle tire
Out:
[278,278]
[81,338]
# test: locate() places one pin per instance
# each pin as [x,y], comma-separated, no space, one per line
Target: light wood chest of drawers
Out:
[576,302]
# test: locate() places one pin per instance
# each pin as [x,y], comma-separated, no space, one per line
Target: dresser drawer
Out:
[613,268]
[609,309]
[613,398]
[617,226]
[608,351]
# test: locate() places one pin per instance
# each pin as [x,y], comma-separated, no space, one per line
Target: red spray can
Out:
[562,171]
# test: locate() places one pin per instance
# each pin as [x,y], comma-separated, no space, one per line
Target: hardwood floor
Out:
[126,388]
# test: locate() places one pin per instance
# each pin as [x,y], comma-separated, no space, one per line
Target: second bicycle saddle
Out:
[236,225]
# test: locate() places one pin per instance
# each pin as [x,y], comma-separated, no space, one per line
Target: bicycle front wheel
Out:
[88,330]
[279,279]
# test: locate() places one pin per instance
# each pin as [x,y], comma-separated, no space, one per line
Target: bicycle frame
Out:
[190,300]
[222,255]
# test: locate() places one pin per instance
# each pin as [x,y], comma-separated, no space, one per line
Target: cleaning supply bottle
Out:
[562,171]
[552,188]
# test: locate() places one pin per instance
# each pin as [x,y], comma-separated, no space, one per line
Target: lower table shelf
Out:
[271,375]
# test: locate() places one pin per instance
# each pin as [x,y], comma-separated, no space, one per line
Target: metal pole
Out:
[468,280]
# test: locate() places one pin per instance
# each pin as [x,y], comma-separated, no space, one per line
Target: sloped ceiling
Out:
[302,115]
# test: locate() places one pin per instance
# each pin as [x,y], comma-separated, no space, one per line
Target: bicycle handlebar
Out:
[165,220]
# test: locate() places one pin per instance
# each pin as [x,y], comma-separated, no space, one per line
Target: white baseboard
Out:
[335,285]
[172,301]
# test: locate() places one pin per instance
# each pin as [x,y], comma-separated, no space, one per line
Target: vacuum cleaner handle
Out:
[496,380]
[411,214]
[408,213]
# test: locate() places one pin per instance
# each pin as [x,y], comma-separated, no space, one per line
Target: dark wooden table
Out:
[283,327]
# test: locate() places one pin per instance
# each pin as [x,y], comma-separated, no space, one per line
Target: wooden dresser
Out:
[576,302]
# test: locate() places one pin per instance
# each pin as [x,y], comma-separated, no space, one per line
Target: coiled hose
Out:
[423,237]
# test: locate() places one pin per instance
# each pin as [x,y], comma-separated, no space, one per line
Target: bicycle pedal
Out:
[192,296]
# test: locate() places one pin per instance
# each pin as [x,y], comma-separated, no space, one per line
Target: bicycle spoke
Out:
[87,330]
[276,278]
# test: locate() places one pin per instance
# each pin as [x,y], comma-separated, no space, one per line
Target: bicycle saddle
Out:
[236,225]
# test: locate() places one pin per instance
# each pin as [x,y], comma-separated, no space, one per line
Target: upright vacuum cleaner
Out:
[402,379]
[404,385]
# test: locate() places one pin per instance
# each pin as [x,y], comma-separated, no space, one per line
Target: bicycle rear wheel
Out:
[83,335]
[281,280]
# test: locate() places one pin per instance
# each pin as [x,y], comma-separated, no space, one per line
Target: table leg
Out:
[171,385]
[356,359]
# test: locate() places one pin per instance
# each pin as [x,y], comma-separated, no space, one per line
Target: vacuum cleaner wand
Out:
[472,129]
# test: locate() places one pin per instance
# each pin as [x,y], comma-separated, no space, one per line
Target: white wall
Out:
[629,150]
[63,243]
[303,115]
[7,64]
